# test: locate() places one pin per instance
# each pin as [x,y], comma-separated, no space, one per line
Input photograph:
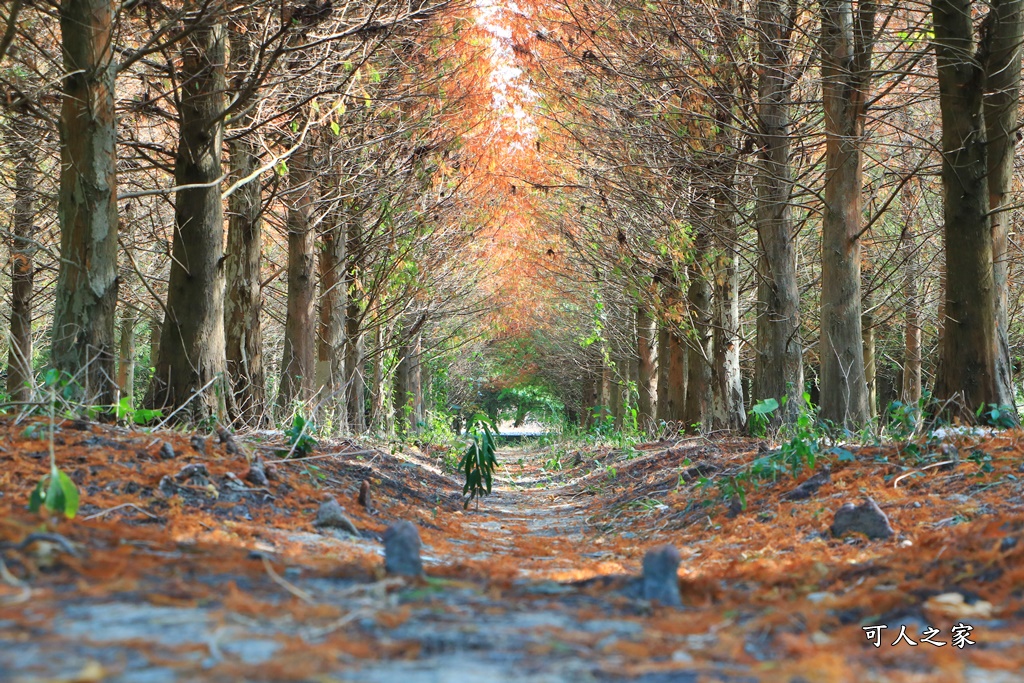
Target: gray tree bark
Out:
[846,46]
[192,365]
[778,370]
[86,293]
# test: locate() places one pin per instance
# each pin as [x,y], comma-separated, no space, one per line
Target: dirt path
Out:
[201,584]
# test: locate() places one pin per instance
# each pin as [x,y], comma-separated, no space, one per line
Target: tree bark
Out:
[847,42]
[298,365]
[779,362]
[86,292]
[967,364]
[192,364]
[355,378]
[126,357]
[727,384]
[911,389]
[243,303]
[697,413]
[647,366]
[333,297]
[22,248]
[672,355]
[1003,32]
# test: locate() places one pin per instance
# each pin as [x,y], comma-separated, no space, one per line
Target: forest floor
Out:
[171,576]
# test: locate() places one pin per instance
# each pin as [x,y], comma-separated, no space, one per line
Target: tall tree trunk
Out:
[647,366]
[126,357]
[379,395]
[86,292]
[967,363]
[21,135]
[243,302]
[847,41]
[778,370]
[192,348]
[672,355]
[697,414]
[331,324]
[1004,31]
[355,384]
[911,390]
[727,394]
[298,365]
[870,364]
[355,378]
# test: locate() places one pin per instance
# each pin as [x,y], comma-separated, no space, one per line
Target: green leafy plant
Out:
[300,437]
[55,492]
[759,416]
[479,462]
[1003,417]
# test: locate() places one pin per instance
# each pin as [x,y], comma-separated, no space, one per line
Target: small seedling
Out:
[479,462]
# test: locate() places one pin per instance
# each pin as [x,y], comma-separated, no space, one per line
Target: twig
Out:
[12,580]
[896,482]
[101,513]
[280,581]
[335,625]
[316,457]
[52,538]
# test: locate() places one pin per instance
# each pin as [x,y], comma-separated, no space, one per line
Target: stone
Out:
[810,486]
[364,495]
[166,451]
[333,516]
[199,444]
[402,550]
[226,438]
[257,473]
[660,581]
[866,518]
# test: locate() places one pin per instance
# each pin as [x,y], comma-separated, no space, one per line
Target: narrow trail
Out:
[172,579]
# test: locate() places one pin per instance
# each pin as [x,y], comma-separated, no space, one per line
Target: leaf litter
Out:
[181,569]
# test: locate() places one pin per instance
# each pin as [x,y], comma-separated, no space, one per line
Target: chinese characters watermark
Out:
[960,636]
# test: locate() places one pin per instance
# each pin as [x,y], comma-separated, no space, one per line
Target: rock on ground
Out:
[402,550]
[660,580]
[866,518]
[332,515]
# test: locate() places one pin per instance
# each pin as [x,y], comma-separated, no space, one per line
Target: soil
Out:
[172,574]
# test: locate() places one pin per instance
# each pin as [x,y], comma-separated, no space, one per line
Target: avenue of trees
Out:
[655,212]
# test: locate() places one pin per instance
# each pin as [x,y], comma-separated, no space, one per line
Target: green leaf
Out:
[765,407]
[335,128]
[844,455]
[36,499]
[70,494]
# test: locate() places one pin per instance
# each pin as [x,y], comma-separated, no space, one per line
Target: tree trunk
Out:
[647,366]
[697,414]
[967,363]
[355,379]
[911,390]
[672,405]
[126,357]
[243,303]
[870,367]
[727,385]
[779,361]
[298,365]
[847,39]
[192,362]
[380,396]
[22,250]
[1004,31]
[331,326]
[86,292]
